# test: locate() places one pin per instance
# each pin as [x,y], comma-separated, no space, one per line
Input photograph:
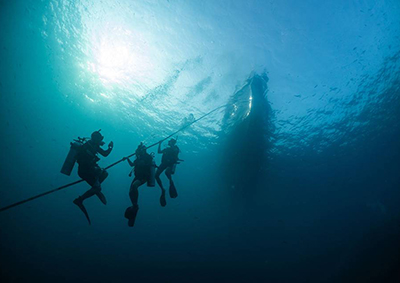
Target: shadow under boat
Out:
[247,130]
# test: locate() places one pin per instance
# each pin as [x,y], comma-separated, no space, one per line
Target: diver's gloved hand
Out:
[111,145]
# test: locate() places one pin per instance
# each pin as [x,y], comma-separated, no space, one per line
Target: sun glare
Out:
[119,56]
[114,55]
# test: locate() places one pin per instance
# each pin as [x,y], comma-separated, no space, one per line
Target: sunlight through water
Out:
[287,118]
[162,61]
[119,56]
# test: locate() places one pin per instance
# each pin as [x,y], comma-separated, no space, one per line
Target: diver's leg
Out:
[101,197]
[90,175]
[79,200]
[168,173]
[160,169]
[91,192]
[172,190]
[94,190]
[102,176]
[131,212]
[134,192]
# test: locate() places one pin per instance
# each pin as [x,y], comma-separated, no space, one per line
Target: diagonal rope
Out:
[109,166]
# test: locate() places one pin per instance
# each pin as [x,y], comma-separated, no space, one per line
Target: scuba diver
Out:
[168,162]
[144,172]
[89,171]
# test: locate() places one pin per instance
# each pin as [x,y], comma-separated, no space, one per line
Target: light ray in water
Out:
[119,57]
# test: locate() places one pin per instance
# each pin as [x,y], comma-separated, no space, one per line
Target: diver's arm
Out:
[130,162]
[105,153]
[159,148]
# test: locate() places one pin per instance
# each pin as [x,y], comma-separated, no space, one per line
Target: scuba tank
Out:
[152,180]
[71,157]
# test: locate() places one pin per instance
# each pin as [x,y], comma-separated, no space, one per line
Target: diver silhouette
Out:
[144,168]
[90,171]
[168,162]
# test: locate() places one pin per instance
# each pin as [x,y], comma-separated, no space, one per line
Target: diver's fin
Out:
[130,214]
[163,202]
[101,197]
[79,203]
[172,191]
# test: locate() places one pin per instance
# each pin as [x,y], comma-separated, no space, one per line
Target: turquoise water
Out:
[325,205]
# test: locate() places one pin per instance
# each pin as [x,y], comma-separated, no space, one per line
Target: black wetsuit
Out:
[142,167]
[169,157]
[87,159]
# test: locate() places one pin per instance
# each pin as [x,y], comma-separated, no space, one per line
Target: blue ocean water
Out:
[296,180]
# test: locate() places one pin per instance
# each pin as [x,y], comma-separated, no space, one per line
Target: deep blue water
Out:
[318,145]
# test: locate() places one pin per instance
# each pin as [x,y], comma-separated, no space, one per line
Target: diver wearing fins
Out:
[90,171]
[144,169]
[168,163]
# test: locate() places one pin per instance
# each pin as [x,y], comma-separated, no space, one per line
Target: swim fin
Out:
[163,202]
[130,214]
[79,203]
[172,191]
[102,197]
